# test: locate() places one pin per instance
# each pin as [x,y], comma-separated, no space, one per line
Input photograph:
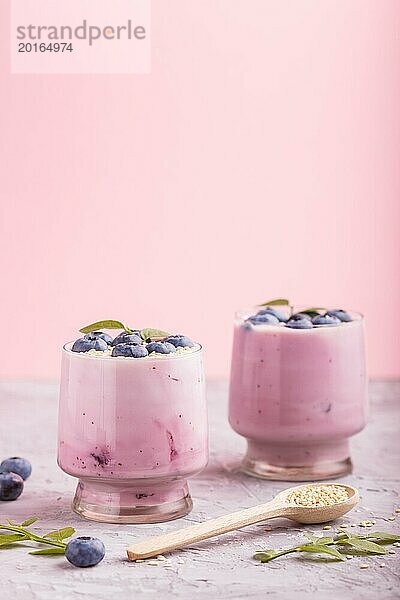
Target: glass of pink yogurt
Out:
[298,391]
[132,430]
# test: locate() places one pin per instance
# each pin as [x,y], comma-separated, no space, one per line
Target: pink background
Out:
[258,159]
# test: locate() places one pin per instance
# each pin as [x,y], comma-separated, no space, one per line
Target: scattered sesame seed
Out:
[327,527]
[391,518]
[153,563]
[161,557]
[397,510]
[364,566]
[348,556]
[392,551]
[382,565]
[139,560]
[344,525]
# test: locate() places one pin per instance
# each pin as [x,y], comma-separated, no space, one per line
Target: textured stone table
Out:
[221,568]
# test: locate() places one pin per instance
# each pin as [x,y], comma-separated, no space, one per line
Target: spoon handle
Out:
[202,531]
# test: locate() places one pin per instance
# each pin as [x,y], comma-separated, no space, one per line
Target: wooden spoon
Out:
[277,507]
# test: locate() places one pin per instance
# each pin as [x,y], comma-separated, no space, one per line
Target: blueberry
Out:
[15,464]
[11,485]
[299,321]
[130,350]
[84,345]
[96,335]
[271,311]
[325,320]
[85,551]
[179,341]
[307,315]
[265,318]
[127,338]
[341,314]
[160,347]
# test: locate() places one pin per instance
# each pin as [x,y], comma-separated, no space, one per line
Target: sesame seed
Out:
[364,566]
[313,496]
[397,510]
[382,565]
[161,557]
[153,563]
[392,551]
[344,526]
[391,518]
[139,560]
[327,527]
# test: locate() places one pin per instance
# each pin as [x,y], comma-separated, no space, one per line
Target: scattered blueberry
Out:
[11,485]
[266,318]
[127,338]
[268,310]
[325,320]
[96,335]
[15,464]
[84,345]
[341,314]
[85,551]
[160,347]
[299,321]
[179,341]
[130,350]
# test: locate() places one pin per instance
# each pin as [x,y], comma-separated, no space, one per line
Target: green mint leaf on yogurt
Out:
[107,324]
[313,310]
[153,334]
[276,302]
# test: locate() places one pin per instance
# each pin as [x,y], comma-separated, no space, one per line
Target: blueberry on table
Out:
[272,311]
[127,338]
[84,345]
[341,314]
[179,341]
[160,347]
[130,350]
[264,319]
[85,551]
[326,320]
[299,321]
[98,335]
[18,465]
[11,485]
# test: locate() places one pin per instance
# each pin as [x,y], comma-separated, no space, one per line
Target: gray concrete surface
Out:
[221,568]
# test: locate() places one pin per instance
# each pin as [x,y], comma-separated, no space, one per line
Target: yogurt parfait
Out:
[298,389]
[132,422]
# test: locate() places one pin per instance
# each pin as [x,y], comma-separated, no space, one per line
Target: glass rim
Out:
[108,357]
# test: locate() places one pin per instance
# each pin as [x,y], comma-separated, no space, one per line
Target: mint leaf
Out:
[60,534]
[153,334]
[276,302]
[266,555]
[321,549]
[313,310]
[10,539]
[49,551]
[364,545]
[382,535]
[29,522]
[107,324]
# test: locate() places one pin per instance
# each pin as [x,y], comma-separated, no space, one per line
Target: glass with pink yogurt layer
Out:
[298,392]
[132,430]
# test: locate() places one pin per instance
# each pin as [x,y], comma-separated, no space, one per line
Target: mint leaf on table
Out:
[107,324]
[335,547]
[21,533]
[60,534]
[364,546]
[49,551]
[29,522]
[276,302]
[153,334]
[321,549]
